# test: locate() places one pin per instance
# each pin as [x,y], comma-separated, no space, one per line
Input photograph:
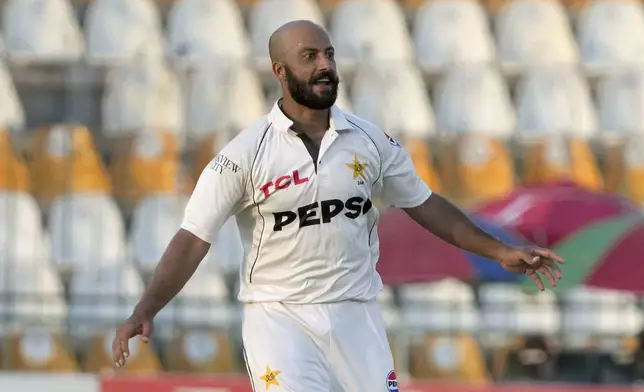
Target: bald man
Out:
[300,181]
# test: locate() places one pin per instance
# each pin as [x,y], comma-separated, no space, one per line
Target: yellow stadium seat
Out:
[63,160]
[575,6]
[200,352]
[146,164]
[328,5]
[208,148]
[475,168]
[553,159]
[495,6]
[624,169]
[421,156]
[456,358]
[37,350]
[14,175]
[142,361]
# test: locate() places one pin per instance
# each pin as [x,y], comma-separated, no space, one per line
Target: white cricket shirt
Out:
[309,233]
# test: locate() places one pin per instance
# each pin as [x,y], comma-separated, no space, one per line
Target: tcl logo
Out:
[282,183]
[322,212]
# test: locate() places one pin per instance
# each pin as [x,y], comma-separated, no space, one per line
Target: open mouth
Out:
[323,82]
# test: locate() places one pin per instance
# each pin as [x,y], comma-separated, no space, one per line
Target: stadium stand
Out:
[195,29]
[119,31]
[485,96]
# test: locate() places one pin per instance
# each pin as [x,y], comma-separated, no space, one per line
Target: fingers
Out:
[546,272]
[118,353]
[547,254]
[537,280]
[553,268]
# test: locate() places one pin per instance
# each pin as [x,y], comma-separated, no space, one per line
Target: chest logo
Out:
[358,169]
[282,182]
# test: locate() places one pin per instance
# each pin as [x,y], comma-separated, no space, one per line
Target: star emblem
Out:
[358,168]
[270,378]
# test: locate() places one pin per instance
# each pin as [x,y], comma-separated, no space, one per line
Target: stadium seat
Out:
[147,164]
[41,31]
[508,310]
[475,168]
[12,115]
[611,34]
[533,33]
[553,158]
[619,102]
[624,168]
[223,97]
[142,360]
[202,304]
[200,352]
[226,253]
[22,240]
[575,6]
[37,350]
[63,160]
[14,176]
[420,154]
[393,96]
[155,221]
[120,31]
[86,231]
[31,294]
[555,100]
[474,99]
[449,358]
[207,148]
[143,95]
[452,31]
[101,297]
[367,30]
[205,30]
[591,316]
[267,15]
[493,6]
[450,302]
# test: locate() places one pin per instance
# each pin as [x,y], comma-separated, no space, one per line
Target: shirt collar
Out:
[337,122]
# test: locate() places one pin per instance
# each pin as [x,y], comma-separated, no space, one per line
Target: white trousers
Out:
[336,347]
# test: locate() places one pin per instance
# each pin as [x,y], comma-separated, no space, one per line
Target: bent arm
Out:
[177,265]
[447,222]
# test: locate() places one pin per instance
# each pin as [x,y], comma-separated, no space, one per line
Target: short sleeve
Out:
[219,194]
[401,185]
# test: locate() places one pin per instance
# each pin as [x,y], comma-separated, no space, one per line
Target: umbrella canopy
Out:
[546,215]
[608,254]
[409,253]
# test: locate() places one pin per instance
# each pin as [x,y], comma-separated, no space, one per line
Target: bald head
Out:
[289,37]
[304,63]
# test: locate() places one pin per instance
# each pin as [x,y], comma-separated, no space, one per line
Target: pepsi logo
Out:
[392,383]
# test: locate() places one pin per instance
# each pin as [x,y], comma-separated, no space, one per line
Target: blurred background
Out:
[527,113]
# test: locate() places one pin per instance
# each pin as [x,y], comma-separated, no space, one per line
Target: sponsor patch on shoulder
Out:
[392,141]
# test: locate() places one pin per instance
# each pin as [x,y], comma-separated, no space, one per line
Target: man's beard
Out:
[302,91]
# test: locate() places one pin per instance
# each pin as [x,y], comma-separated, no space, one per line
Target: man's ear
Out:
[278,70]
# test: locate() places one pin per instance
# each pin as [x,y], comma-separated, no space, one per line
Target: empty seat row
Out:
[445,31]
[87,231]
[471,167]
[468,99]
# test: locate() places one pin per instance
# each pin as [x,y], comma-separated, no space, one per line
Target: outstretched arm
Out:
[178,264]
[450,224]
[446,221]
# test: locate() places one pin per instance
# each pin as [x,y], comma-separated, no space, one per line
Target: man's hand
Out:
[531,260]
[132,327]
